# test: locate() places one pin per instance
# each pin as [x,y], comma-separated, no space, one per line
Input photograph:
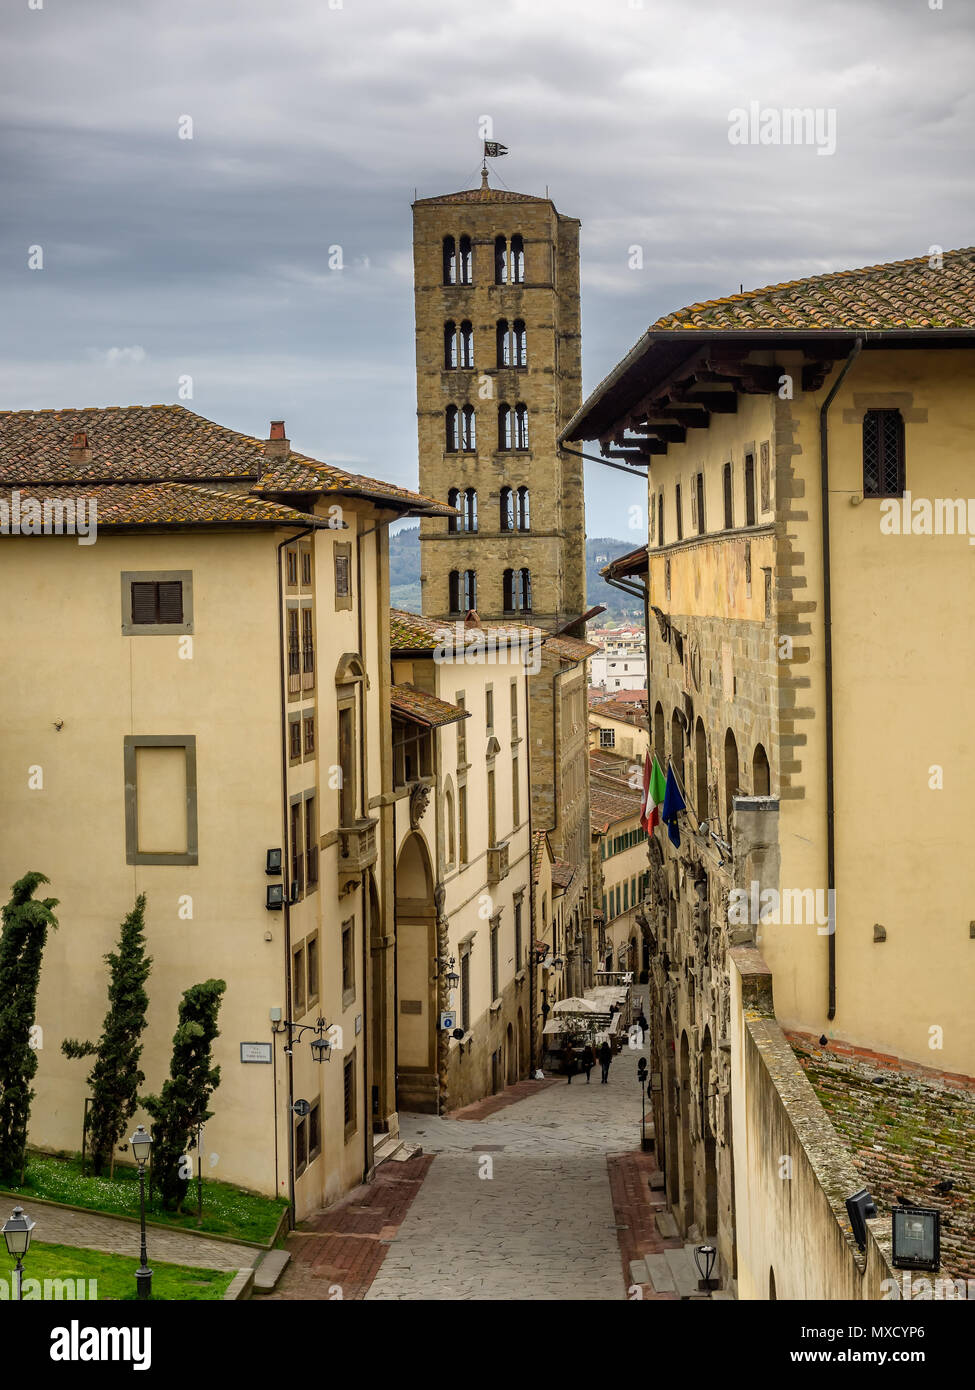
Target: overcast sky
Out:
[312,124]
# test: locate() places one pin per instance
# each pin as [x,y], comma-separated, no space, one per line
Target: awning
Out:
[420,707]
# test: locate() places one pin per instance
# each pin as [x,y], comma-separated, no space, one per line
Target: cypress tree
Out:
[26,920]
[115,1078]
[182,1103]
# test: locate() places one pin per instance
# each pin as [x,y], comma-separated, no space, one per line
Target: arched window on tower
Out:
[449,261]
[454,584]
[504,426]
[730,776]
[517,260]
[465,262]
[507,509]
[466,344]
[524,512]
[500,260]
[524,591]
[449,345]
[508,591]
[521,426]
[470,509]
[453,500]
[452,430]
[470,591]
[468,436]
[503,343]
[701,770]
[519,344]
[659,736]
[761,773]
[677,745]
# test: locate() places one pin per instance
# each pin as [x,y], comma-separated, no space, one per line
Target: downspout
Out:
[828,670]
[288,540]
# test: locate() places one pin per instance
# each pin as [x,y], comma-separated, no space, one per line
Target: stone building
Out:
[808,588]
[200,712]
[621,848]
[498,376]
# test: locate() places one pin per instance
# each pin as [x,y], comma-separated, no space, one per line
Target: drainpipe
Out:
[828,668]
[288,540]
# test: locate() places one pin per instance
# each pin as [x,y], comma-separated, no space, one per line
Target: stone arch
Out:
[349,669]
[761,772]
[416,1003]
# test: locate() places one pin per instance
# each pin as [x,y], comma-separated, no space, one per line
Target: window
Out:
[460,700]
[517,260]
[761,774]
[342,562]
[607,738]
[489,709]
[453,584]
[160,799]
[507,509]
[503,343]
[294,739]
[452,430]
[468,430]
[466,344]
[500,260]
[465,262]
[730,775]
[465,990]
[311,842]
[298,980]
[524,590]
[469,587]
[314,1131]
[512,343]
[495,958]
[297,850]
[157,603]
[349,1089]
[513,426]
[766,480]
[678,513]
[660,517]
[309,728]
[450,828]
[515,795]
[518,942]
[677,745]
[514,711]
[491,810]
[449,345]
[449,261]
[292,560]
[348,962]
[699,492]
[729,504]
[653,517]
[749,489]
[469,510]
[294,653]
[301,1145]
[347,788]
[412,752]
[524,513]
[519,345]
[311,962]
[521,426]
[306,568]
[883,453]
[701,770]
[462,823]
[307,649]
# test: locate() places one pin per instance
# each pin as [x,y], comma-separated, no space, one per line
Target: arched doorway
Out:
[383,1098]
[523,1059]
[686,1145]
[510,1057]
[417,1083]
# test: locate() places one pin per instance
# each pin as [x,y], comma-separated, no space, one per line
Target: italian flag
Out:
[654,787]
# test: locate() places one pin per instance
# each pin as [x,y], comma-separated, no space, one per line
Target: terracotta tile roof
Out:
[898,294]
[618,697]
[481,195]
[150,443]
[623,713]
[168,504]
[611,798]
[634,562]
[907,1129]
[420,707]
[410,631]
[569,648]
[563,873]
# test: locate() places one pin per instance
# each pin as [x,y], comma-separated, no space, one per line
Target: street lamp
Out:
[704,1258]
[141,1142]
[641,1076]
[17,1232]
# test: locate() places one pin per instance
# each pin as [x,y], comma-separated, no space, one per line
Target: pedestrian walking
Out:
[643,1025]
[605,1057]
[569,1058]
[588,1060]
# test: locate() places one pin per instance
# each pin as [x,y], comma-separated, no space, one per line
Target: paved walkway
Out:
[92,1231]
[519,1205]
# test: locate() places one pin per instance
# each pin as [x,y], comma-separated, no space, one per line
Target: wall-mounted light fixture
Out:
[272,864]
[860,1208]
[916,1233]
[274,900]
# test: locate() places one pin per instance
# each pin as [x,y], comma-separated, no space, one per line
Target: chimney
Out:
[277,444]
[79,451]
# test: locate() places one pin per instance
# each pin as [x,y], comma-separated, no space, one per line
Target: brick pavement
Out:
[93,1231]
[636,1206]
[490,1105]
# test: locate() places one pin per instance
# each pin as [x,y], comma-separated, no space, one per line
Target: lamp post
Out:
[141,1142]
[17,1233]
[641,1076]
[704,1258]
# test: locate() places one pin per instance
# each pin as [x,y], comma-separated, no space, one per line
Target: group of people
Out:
[588,1058]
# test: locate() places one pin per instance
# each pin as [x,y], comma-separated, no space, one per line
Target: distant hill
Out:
[404,574]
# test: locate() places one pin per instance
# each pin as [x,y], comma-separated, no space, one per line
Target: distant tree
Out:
[25,926]
[182,1104]
[115,1078]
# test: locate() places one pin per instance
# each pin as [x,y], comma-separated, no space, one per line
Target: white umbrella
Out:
[575,1006]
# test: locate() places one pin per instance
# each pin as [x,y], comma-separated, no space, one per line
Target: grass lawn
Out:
[115,1274]
[227,1210]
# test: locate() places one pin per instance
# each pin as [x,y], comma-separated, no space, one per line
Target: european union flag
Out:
[673,803]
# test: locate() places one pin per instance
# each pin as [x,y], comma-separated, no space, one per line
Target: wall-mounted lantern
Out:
[274,900]
[272,863]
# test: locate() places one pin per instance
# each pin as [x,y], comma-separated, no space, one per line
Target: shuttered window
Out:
[341,573]
[157,601]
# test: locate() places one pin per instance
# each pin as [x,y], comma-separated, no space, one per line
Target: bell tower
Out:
[498,375]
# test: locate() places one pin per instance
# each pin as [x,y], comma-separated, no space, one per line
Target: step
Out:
[639,1273]
[683,1272]
[384,1146]
[406,1151]
[270,1269]
[666,1225]
[657,1181]
[660,1275]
